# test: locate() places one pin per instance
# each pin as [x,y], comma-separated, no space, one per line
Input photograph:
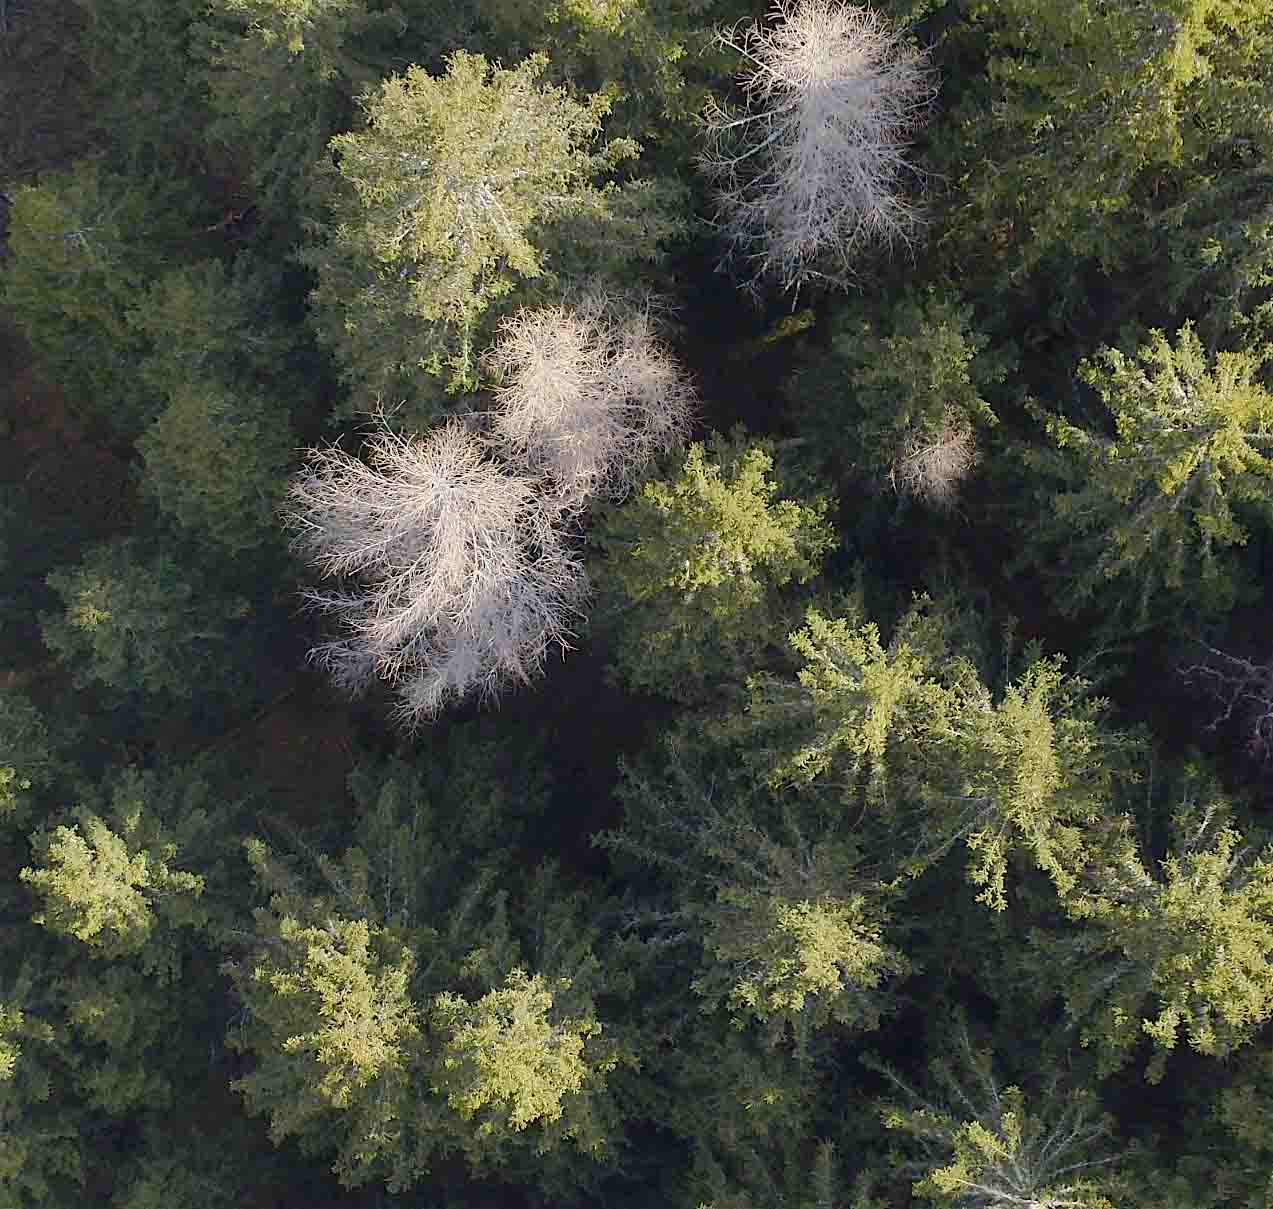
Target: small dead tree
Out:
[1243,691]
[810,175]
[458,580]
[585,397]
[934,466]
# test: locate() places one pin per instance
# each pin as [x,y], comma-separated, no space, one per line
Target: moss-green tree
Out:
[1177,953]
[909,731]
[978,1143]
[135,621]
[789,924]
[1157,508]
[690,565]
[434,214]
[1111,99]
[104,887]
[71,281]
[216,461]
[899,398]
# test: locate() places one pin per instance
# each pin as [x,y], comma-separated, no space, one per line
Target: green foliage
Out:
[1157,507]
[435,210]
[41,1155]
[137,621]
[892,387]
[28,763]
[208,322]
[71,281]
[406,971]
[911,733]
[508,1060]
[110,888]
[216,463]
[1182,952]
[702,553]
[1108,99]
[789,925]
[641,51]
[281,79]
[976,1143]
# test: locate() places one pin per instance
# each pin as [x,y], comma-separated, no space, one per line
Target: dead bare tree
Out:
[586,396]
[810,174]
[458,580]
[1243,690]
[934,466]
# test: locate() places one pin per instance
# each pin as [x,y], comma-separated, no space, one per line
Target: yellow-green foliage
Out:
[975,1144]
[922,742]
[101,886]
[436,204]
[1156,505]
[703,552]
[829,950]
[1186,952]
[508,1060]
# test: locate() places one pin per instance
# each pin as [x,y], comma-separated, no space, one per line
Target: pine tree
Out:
[1157,507]
[689,566]
[434,213]
[910,732]
[1179,953]
[978,1143]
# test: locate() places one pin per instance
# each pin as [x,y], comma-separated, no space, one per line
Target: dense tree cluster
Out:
[876,808]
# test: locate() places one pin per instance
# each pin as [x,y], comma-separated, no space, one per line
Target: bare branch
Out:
[586,397]
[808,177]
[459,582]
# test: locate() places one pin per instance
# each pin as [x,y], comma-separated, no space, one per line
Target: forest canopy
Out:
[656,604]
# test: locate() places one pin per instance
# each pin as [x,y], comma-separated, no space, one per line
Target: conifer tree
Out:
[137,621]
[215,464]
[435,210]
[1179,953]
[910,732]
[900,397]
[978,1143]
[690,562]
[1158,506]
[789,922]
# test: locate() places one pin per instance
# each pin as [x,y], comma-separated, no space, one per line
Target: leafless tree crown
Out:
[460,582]
[586,397]
[810,174]
[933,467]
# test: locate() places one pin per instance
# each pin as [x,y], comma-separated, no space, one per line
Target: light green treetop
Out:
[137,621]
[103,886]
[1183,951]
[435,208]
[937,757]
[505,1057]
[1155,505]
[1097,95]
[691,561]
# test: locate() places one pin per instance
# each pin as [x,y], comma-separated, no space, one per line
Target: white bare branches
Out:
[810,175]
[461,581]
[934,466]
[457,576]
[586,397]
